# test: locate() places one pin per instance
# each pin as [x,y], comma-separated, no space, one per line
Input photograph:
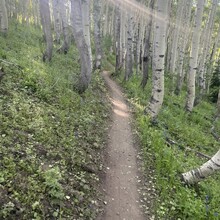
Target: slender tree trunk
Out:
[3,17]
[56,17]
[117,39]
[123,39]
[183,47]
[64,21]
[175,42]
[139,45]
[106,23]
[204,171]
[159,58]
[36,13]
[194,57]
[97,33]
[86,25]
[212,60]
[86,68]
[147,47]
[218,104]
[46,24]
[129,61]
[206,51]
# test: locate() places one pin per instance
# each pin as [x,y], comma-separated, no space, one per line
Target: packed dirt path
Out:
[120,185]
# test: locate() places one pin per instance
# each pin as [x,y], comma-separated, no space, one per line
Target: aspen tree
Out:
[85,59]
[203,171]
[206,49]
[159,50]
[46,24]
[97,33]
[117,38]
[64,23]
[193,66]
[56,18]
[185,36]
[147,47]
[3,17]
[129,60]
[86,25]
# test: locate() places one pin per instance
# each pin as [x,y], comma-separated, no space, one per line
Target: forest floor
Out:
[122,176]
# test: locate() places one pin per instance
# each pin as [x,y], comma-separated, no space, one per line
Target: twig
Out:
[9,63]
[199,154]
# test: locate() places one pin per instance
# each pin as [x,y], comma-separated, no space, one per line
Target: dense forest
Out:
[56,109]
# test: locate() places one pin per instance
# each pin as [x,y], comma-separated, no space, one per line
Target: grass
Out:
[51,137]
[187,131]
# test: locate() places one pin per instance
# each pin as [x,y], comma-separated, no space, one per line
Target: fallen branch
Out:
[10,63]
[199,154]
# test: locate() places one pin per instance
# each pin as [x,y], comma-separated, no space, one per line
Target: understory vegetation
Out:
[173,144]
[50,136]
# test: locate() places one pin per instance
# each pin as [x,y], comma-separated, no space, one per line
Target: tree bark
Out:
[46,24]
[86,25]
[175,42]
[147,47]
[117,39]
[97,33]
[203,171]
[206,50]
[129,60]
[56,18]
[86,68]
[3,17]
[158,58]
[194,57]
[183,47]
[218,104]
[64,21]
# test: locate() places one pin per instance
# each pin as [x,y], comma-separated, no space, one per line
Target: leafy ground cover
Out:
[169,148]
[50,137]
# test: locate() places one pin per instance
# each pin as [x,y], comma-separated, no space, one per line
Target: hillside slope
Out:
[50,137]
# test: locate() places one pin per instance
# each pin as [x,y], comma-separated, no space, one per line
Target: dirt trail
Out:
[122,199]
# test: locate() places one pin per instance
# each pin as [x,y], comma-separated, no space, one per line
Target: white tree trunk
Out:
[159,50]
[212,60]
[64,21]
[86,25]
[218,104]
[97,33]
[204,171]
[129,60]
[117,38]
[3,17]
[123,39]
[46,24]
[147,45]
[175,40]
[106,19]
[206,49]
[194,56]
[56,17]
[183,46]
[86,68]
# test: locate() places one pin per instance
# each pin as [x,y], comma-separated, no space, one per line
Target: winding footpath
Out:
[121,180]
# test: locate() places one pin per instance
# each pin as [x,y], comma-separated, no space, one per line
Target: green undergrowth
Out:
[50,137]
[169,146]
